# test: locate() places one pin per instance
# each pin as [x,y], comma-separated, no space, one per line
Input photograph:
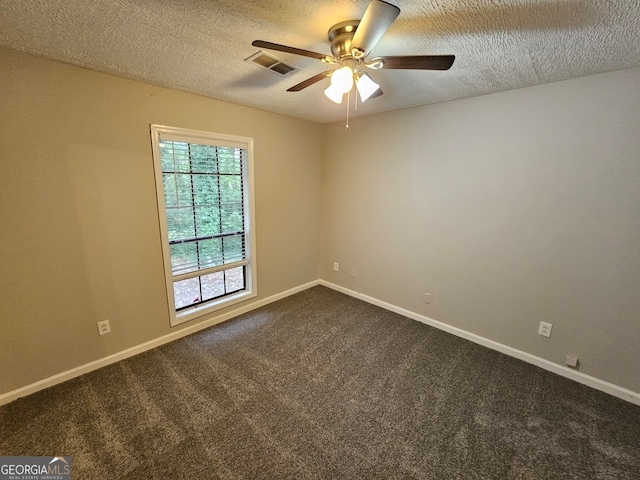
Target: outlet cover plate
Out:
[104,327]
[571,361]
[545,329]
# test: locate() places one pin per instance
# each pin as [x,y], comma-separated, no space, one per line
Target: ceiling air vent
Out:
[268,61]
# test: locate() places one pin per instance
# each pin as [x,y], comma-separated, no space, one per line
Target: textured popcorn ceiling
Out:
[199,46]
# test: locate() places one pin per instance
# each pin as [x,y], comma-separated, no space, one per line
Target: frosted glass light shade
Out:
[366,87]
[342,79]
[333,94]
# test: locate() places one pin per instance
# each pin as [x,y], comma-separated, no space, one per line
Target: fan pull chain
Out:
[355,102]
[348,105]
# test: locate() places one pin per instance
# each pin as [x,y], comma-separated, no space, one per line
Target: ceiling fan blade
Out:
[310,81]
[376,21]
[295,51]
[417,62]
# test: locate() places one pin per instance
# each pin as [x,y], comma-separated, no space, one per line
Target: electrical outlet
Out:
[427,298]
[104,327]
[336,266]
[353,272]
[545,329]
[571,360]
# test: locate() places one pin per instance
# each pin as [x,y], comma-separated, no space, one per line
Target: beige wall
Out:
[79,231]
[510,209]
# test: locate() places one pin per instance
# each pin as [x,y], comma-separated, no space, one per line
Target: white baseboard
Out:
[116,357]
[593,382]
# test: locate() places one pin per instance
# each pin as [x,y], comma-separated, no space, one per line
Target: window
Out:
[204,187]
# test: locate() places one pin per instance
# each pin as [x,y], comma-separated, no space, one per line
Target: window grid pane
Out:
[205,288]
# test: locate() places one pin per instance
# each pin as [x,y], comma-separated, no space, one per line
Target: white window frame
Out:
[251,290]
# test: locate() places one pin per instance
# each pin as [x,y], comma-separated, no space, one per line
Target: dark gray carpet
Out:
[320,385]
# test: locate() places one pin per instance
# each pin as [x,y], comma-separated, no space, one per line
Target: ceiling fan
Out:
[351,44]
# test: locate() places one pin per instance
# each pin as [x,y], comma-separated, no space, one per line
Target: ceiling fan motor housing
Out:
[340,36]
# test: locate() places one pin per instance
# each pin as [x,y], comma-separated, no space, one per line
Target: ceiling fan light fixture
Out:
[351,42]
[342,80]
[333,94]
[366,87]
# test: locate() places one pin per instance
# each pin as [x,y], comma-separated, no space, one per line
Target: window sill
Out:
[210,307]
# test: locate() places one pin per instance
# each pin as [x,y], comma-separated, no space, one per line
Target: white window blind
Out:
[207,241]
